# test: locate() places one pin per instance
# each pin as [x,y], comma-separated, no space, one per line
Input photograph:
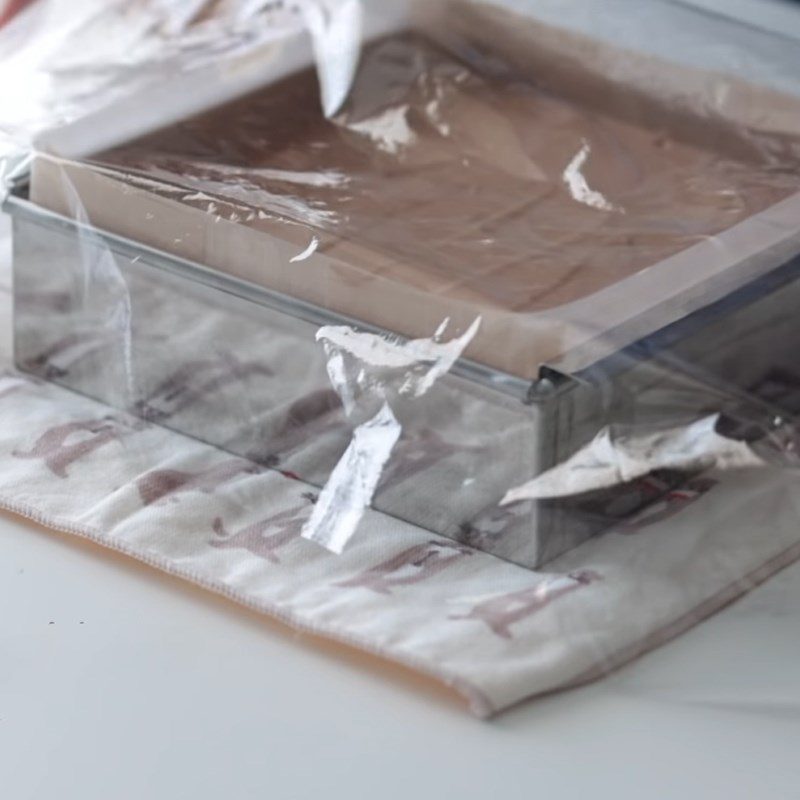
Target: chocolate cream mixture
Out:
[479,183]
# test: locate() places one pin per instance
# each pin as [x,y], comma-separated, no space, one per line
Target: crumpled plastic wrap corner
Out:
[61,61]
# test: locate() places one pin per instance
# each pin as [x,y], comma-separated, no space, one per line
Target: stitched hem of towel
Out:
[702,612]
[682,624]
[478,703]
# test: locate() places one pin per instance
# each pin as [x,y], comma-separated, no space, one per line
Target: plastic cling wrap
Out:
[524,279]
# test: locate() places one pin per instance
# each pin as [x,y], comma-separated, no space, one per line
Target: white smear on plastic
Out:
[358,363]
[610,460]
[307,253]
[432,110]
[322,178]
[337,373]
[336,31]
[441,329]
[579,187]
[389,130]
[351,486]
[425,359]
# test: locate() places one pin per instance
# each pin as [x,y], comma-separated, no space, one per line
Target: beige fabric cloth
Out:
[496,632]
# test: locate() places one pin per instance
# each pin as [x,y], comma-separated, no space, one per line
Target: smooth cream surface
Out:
[465,180]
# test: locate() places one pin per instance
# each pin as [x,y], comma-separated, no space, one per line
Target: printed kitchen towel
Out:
[495,632]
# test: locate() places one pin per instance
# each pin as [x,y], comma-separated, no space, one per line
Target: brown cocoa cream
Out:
[468,181]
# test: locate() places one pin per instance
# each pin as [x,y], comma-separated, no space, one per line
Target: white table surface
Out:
[118,683]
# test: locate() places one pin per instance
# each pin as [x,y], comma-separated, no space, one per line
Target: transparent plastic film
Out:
[368,370]
[517,284]
[81,76]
